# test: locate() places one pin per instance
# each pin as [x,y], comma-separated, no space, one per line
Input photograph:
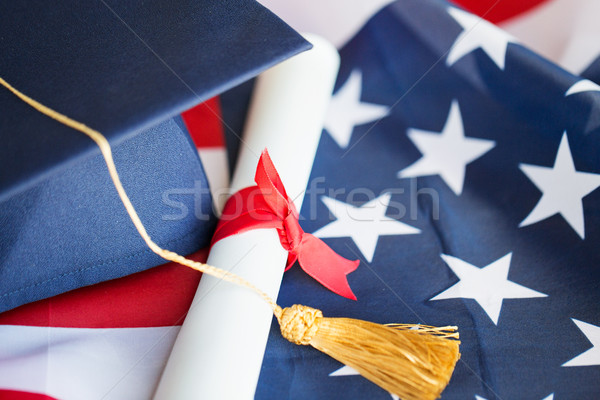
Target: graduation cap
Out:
[127,69]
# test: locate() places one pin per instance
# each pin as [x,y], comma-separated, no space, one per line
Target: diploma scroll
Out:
[219,350]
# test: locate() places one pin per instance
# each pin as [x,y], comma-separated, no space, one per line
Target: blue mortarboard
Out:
[126,69]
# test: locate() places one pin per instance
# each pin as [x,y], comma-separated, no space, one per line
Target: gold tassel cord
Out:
[411,361]
[414,362]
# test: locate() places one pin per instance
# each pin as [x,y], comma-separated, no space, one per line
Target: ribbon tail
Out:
[291,260]
[326,266]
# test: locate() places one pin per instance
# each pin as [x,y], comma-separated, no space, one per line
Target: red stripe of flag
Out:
[204,124]
[497,11]
[18,395]
[159,296]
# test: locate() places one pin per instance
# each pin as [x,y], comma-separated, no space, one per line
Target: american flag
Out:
[462,169]
[459,166]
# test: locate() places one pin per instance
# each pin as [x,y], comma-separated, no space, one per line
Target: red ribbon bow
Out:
[267,205]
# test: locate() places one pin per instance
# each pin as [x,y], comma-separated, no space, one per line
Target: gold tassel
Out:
[410,361]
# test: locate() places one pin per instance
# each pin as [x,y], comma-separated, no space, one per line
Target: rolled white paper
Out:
[219,350]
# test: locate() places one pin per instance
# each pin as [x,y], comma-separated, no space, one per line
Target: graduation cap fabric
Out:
[126,69]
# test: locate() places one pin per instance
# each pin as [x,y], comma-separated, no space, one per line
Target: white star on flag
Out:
[478,33]
[584,85]
[364,224]
[446,153]
[349,371]
[346,110]
[488,286]
[591,356]
[562,187]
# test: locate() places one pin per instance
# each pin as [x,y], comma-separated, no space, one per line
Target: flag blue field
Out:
[463,170]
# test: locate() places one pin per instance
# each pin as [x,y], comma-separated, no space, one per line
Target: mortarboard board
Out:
[127,69]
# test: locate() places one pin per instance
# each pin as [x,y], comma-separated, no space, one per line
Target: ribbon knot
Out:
[267,205]
[291,234]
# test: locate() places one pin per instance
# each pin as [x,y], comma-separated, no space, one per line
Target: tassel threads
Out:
[411,361]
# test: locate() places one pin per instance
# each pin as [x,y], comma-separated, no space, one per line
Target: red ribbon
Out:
[267,205]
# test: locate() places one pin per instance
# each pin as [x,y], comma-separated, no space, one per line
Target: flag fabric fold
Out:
[107,341]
